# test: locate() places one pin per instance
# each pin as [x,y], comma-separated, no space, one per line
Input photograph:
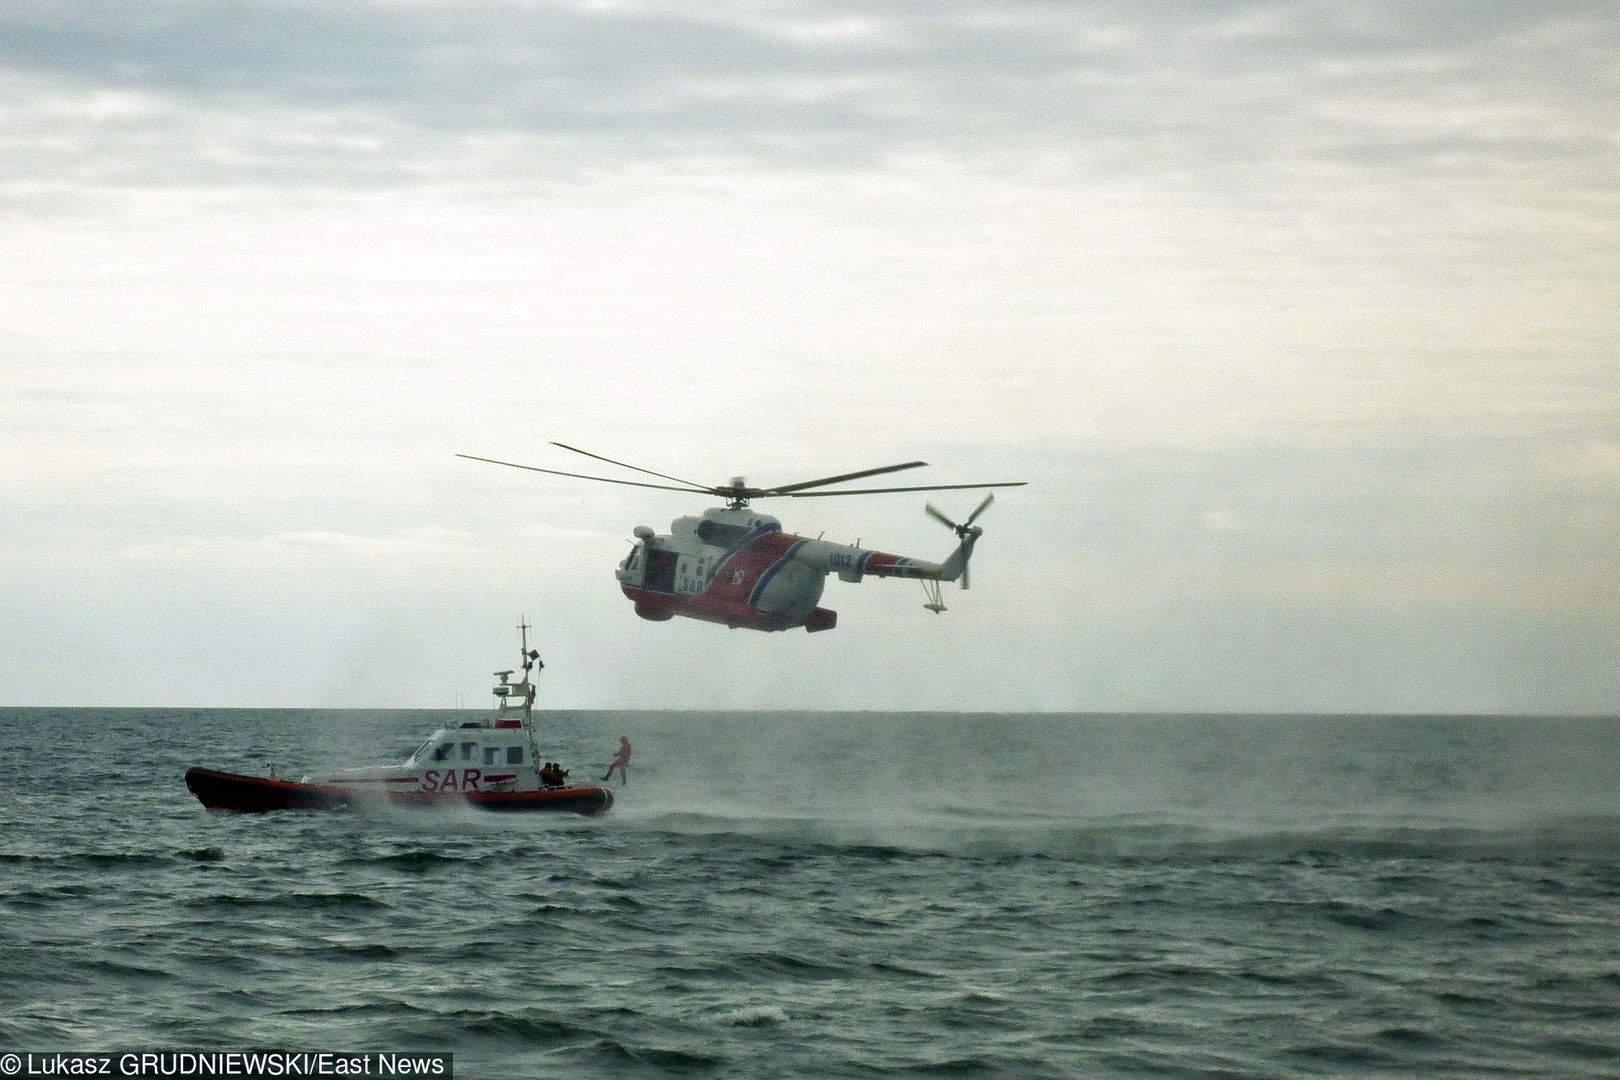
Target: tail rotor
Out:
[967,532]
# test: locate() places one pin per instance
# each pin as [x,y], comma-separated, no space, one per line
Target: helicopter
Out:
[735,566]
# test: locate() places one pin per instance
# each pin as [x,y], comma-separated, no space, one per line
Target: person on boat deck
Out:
[620,761]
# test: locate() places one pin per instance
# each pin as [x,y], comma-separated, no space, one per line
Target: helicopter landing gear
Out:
[935,603]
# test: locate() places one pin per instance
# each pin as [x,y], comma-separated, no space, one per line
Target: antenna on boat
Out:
[531,657]
[531,663]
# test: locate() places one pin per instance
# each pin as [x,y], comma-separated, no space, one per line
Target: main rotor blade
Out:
[784,489]
[582,476]
[880,491]
[632,468]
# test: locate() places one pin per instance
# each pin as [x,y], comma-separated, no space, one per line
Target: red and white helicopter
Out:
[736,566]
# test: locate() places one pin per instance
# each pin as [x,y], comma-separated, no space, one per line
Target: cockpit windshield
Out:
[417,754]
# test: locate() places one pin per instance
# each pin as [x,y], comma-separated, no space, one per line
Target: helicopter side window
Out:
[721,534]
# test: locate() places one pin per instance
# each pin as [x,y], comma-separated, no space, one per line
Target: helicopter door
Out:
[660,575]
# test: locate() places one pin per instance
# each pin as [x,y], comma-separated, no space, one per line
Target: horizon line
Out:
[1185,713]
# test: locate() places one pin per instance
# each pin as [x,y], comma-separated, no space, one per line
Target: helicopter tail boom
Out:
[956,566]
[952,569]
[854,563]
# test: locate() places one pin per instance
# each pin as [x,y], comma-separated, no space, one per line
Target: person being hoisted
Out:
[620,761]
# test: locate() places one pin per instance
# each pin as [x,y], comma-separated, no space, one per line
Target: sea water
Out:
[838,895]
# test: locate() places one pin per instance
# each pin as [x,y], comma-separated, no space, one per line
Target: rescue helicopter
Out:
[735,566]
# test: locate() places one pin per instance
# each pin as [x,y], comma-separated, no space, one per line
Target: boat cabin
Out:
[490,753]
[474,744]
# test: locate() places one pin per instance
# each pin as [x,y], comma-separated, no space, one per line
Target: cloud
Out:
[1596,461]
[1268,301]
[1118,88]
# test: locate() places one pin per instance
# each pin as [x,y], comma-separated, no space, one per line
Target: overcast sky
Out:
[1300,320]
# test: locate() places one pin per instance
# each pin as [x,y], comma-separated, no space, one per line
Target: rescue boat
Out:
[491,763]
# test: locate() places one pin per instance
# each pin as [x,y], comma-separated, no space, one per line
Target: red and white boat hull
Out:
[236,793]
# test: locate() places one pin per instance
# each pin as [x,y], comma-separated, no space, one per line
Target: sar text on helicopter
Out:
[735,566]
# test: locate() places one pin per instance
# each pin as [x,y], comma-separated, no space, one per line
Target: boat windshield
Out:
[420,750]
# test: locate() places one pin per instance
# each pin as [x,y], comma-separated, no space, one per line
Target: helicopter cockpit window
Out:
[722,534]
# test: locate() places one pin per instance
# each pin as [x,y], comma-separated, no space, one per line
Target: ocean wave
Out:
[613,1054]
[361,951]
[93,860]
[45,894]
[778,962]
[122,970]
[527,1028]
[420,861]
[754,1016]
[296,901]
